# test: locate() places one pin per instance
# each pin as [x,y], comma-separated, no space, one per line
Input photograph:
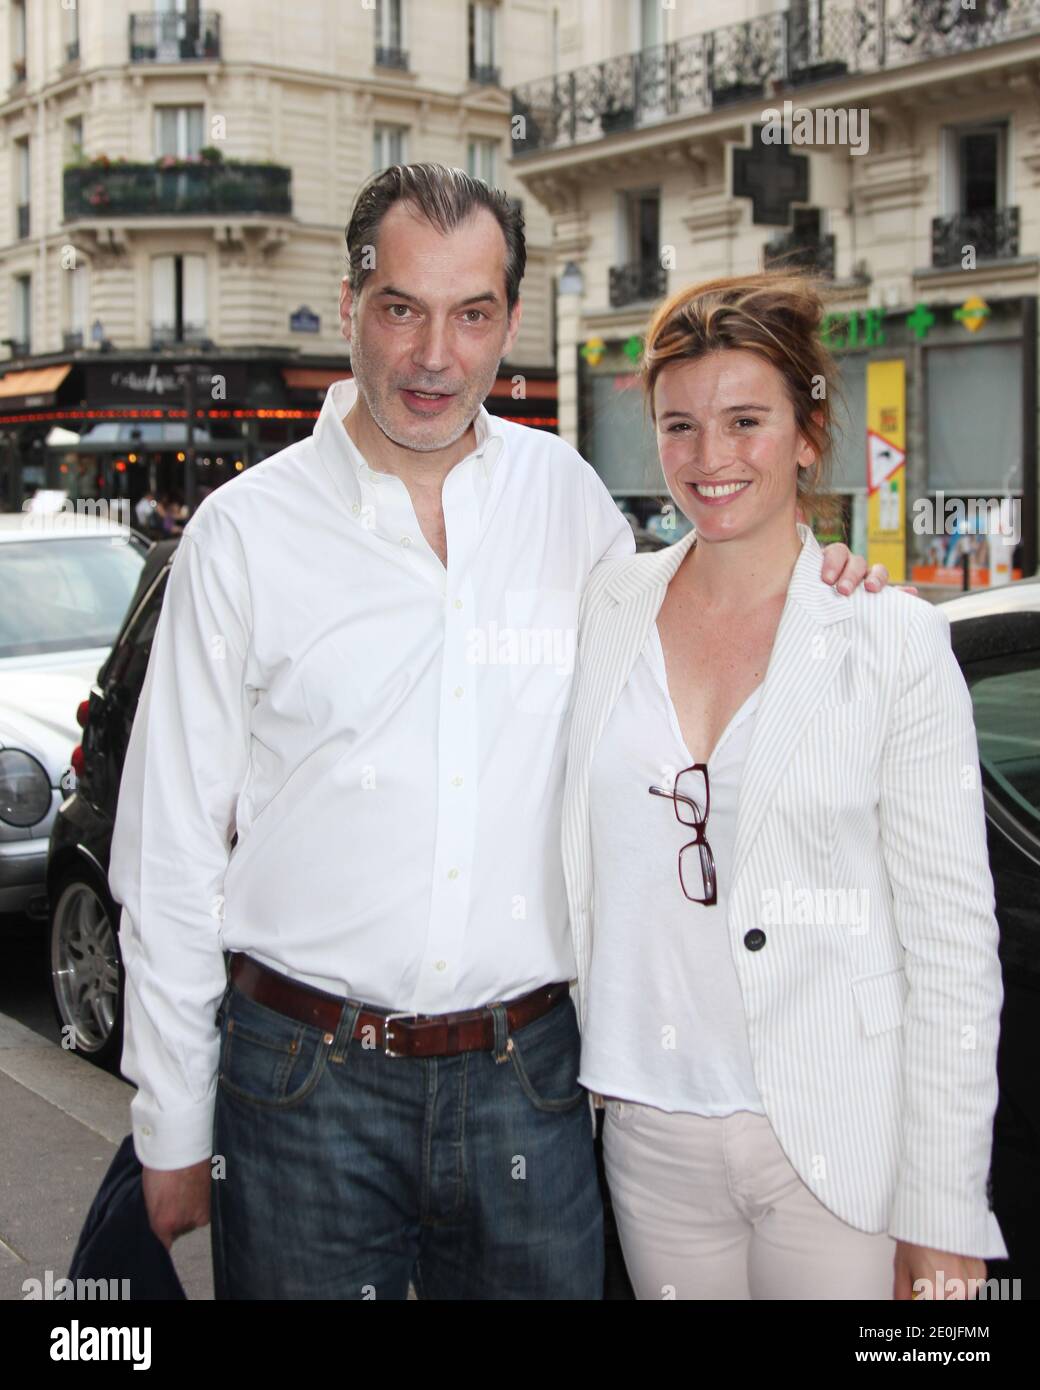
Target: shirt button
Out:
[458,692]
[405,540]
[146,1129]
[356,508]
[442,965]
[453,873]
[456,781]
[755,939]
[458,603]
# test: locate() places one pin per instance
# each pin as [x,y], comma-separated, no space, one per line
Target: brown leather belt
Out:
[412,1035]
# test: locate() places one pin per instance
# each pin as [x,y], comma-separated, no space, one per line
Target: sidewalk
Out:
[61,1121]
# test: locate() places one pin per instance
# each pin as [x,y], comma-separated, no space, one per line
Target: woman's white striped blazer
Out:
[873,1006]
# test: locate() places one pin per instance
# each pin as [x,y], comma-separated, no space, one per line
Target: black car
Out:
[86,968]
[996,637]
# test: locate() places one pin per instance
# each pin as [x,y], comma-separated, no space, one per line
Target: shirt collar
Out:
[348,465]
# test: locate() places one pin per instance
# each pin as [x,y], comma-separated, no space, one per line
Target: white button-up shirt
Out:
[386,736]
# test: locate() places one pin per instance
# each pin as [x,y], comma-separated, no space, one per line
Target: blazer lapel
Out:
[810,645]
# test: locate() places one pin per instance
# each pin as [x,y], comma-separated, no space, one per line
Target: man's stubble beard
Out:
[378,407]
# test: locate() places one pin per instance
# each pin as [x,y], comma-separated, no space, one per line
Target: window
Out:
[974,402]
[178,299]
[23,180]
[77,283]
[387,146]
[390,44]
[849,403]
[70,33]
[178,131]
[18,68]
[1007,716]
[482,44]
[21,315]
[73,139]
[638,273]
[482,159]
[651,23]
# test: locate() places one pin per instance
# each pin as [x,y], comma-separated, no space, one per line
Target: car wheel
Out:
[87,968]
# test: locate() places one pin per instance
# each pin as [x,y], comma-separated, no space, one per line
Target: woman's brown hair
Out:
[776,314]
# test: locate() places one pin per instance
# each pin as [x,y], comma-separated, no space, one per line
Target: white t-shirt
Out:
[666,1023]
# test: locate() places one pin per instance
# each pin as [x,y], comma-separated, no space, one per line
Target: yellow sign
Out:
[886,466]
[973,313]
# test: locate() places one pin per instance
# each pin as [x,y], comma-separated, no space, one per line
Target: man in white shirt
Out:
[346,770]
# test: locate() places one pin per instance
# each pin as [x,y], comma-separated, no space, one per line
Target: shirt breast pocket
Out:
[538,645]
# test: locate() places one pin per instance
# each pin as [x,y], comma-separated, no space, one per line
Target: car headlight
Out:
[25,788]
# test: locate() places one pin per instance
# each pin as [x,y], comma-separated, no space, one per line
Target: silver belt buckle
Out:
[386,1032]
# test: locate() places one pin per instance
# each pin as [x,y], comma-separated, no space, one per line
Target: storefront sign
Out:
[162,383]
[886,466]
[859,328]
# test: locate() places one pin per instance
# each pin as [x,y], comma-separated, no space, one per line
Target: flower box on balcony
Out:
[619,118]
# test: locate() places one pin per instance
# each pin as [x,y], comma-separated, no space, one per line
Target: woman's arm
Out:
[933,837]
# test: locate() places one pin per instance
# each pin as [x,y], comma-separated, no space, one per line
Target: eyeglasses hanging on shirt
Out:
[696,869]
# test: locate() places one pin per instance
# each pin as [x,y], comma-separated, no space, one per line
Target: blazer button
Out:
[755,939]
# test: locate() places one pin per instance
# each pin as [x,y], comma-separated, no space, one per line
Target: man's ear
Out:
[346,306]
[513,329]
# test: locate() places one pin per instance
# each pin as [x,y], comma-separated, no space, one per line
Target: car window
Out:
[130,661]
[1007,721]
[65,594]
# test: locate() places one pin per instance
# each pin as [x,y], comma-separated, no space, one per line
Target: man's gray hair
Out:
[445,197]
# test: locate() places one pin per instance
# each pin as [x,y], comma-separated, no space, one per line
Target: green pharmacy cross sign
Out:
[920,321]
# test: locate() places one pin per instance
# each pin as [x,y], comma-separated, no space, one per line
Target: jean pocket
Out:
[266,1058]
[546,1058]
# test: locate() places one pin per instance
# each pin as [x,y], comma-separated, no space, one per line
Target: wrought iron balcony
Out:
[756,60]
[72,51]
[19,346]
[485,74]
[993,234]
[71,340]
[18,73]
[143,190]
[796,251]
[23,219]
[637,281]
[174,38]
[391,57]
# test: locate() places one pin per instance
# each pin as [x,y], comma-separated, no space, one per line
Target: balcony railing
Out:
[391,57]
[754,61]
[72,51]
[485,74]
[142,190]
[992,234]
[796,251]
[174,38]
[640,280]
[167,335]
[71,340]
[19,347]
[23,220]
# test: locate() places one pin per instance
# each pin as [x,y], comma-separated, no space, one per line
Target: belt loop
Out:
[503,1042]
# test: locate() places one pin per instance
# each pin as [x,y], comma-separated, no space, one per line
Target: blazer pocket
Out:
[881,1000]
[854,716]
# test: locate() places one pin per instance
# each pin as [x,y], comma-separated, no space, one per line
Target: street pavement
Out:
[61,1121]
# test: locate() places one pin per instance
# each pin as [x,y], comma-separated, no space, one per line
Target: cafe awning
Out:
[35,387]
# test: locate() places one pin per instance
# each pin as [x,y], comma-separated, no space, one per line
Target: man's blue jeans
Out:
[348,1172]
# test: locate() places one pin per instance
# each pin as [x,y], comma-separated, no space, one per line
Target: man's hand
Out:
[848,571]
[177,1199]
[913,1262]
